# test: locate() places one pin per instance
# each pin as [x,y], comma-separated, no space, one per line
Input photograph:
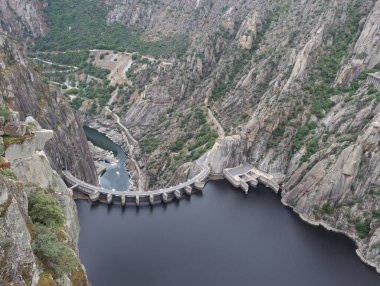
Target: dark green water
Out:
[116,176]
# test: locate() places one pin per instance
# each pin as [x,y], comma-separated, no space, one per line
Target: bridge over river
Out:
[241,176]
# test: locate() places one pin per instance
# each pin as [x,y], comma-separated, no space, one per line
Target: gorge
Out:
[216,237]
[285,88]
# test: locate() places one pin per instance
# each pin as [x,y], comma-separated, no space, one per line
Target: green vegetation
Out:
[46,279]
[363,75]
[5,112]
[363,228]
[205,137]
[54,253]
[199,115]
[8,173]
[148,144]
[323,75]
[301,134]
[327,208]
[241,59]
[82,25]
[376,213]
[311,148]
[178,145]
[97,71]
[48,244]
[76,103]
[70,58]
[9,140]
[44,209]
[279,131]
[374,192]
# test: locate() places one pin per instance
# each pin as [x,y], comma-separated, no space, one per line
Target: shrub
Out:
[44,209]
[376,213]
[76,103]
[5,112]
[53,252]
[279,131]
[8,173]
[363,228]
[177,145]
[327,208]
[200,115]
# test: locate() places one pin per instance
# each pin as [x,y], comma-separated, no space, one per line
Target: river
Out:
[215,237]
[116,175]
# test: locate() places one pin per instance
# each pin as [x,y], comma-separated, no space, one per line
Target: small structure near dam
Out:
[247,175]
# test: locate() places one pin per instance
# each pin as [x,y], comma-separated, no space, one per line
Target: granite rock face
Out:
[23,19]
[31,165]
[17,129]
[264,97]
[17,260]
[367,48]
[258,65]
[30,96]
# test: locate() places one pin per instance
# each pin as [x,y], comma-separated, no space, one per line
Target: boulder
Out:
[16,129]
[32,124]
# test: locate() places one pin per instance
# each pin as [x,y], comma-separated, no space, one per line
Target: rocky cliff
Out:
[286,80]
[23,19]
[23,90]
[22,263]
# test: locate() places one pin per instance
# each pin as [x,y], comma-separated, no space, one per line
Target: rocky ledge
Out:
[30,172]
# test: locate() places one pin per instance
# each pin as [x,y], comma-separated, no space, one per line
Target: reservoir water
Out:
[216,237]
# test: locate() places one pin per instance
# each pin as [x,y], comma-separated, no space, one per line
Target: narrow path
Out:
[129,135]
[221,133]
[55,64]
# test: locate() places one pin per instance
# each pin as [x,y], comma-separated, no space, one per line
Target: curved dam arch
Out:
[242,176]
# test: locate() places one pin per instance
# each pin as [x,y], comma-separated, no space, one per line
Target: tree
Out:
[44,209]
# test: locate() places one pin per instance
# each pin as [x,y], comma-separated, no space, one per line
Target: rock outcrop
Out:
[23,19]
[20,265]
[281,78]
[25,92]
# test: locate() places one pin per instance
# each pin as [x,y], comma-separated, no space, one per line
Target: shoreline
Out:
[327,227]
[324,225]
[215,177]
[106,131]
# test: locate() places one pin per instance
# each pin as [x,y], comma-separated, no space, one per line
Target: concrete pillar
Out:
[151,200]
[123,200]
[165,198]
[94,196]
[109,198]
[199,185]
[177,194]
[188,190]
[244,186]
[253,183]
[137,200]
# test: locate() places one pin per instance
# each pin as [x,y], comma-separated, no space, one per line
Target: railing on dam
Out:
[165,194]
[242,176]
